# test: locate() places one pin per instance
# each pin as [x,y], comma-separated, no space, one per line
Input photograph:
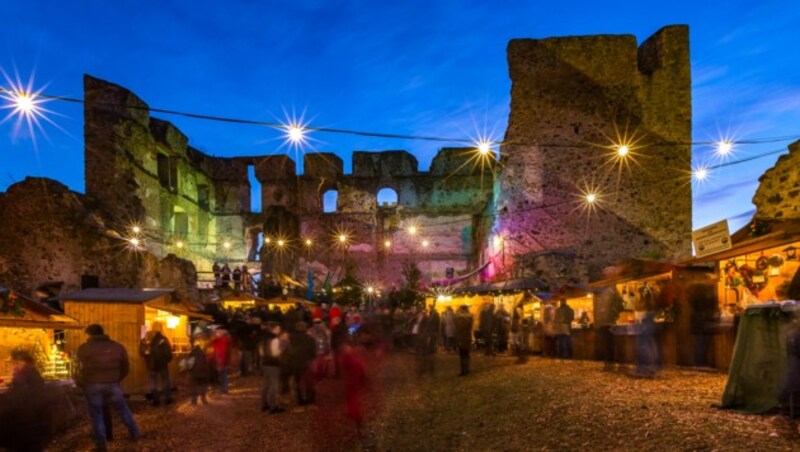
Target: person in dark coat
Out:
[26,409]
[487,328]
[157,352]
[338,339]
[705,310]
[103,365]
[302,352]
[429,337]
[463,325]
[200,370]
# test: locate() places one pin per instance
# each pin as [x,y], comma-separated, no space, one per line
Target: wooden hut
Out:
[33,327]
[126,315]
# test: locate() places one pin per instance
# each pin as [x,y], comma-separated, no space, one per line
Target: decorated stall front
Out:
[637,291]
[285,302]
[126,315]
[37,329]
[760,267]
[241,301]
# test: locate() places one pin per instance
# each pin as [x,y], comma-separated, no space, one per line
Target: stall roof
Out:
[288,300]
[631,269]
[118,295]
[242,296]
[48,317]
[783,233]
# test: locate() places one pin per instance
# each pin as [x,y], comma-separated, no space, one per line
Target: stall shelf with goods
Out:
[637,288]
[38,329]
[126,315]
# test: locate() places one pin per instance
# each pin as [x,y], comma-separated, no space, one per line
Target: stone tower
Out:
[572,99]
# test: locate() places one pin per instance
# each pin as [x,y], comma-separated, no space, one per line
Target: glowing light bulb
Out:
[701,173]
[425,243]
[136,229]
[440,298]
[370,290]
[591,198]
[281,243]
[342,238]
[24,102]
[724,148]
[227,245]
[484,147]
[135,242]
[267,240]
[295,133]
[179,244]
[412,230]
[308,242]
[387,244]
[623,150]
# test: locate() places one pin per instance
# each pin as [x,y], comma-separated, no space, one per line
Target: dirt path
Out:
[541,405]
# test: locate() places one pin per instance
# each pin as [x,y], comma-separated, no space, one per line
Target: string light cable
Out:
[294,129]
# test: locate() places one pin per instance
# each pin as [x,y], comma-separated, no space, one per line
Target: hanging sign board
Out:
[712,239]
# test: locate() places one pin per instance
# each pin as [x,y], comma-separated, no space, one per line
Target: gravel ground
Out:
[541,405]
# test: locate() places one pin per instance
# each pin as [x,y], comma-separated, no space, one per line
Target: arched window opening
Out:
[329,200]
[387,197]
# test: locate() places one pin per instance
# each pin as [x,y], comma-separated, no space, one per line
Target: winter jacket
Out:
[463,327]
[103,360]
[563,321]
[270,351]
[448,323]
[201,370]
[222,351]
[322,338]
[27,378]
[156,351]
[302,350]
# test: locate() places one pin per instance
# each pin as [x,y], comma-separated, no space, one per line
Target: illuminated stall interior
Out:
[241,301]
[37,329]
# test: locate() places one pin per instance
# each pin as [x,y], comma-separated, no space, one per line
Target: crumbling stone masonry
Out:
[778,194]
[144,171]
[569,97]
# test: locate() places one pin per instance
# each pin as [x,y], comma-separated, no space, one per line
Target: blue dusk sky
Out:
[408,67]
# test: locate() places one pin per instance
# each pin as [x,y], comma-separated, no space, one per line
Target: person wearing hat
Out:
[103,365]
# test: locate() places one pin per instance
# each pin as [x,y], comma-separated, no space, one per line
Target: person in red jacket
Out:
[335,312]
[222,357]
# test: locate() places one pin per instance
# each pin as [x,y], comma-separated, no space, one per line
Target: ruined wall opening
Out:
[329,201]
[255,189]
[203,197]
[387,197]
[180,223]
[167,171]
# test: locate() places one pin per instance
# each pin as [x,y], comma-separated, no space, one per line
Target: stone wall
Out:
[778,193]
[124,148]
[570,100]
[51,234]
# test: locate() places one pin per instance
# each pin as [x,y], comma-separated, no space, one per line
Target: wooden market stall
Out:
[640,286]
[759,267]
[126,315]
[581,300]
[37,329]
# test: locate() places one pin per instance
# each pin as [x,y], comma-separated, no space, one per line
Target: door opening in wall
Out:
[329,201]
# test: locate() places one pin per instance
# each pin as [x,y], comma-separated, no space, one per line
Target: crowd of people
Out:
[237,278]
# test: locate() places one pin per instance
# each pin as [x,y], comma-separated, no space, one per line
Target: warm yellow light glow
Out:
[23,102]
[267,240]
[623,150]
[227,245]
[370,290]
[412,230]
[179,244]
[425,243]
[136,229]
[387,244]
[591,198]
[281,243]
[308,242]
[484,147]
[497,240]
[173,321]
[342,238]
[441,298]
[135,242]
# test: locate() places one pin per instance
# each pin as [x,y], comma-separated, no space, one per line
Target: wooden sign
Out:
[712,239]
